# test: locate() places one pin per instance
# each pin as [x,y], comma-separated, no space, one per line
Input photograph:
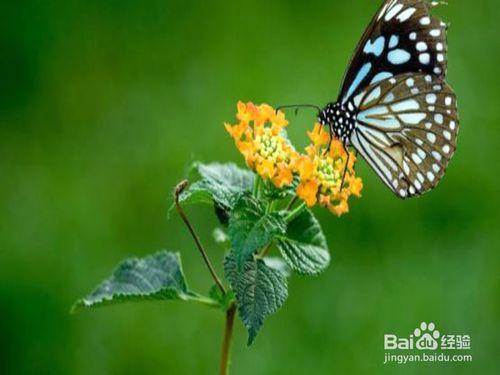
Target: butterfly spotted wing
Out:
[406,123]
[406,130]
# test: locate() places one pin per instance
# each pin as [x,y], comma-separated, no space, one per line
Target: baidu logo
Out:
[426,344]
[426,336]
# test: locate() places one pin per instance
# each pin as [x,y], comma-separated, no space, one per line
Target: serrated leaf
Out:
[219,183]
[278,264]
[304,245]
[154,277]
[251,228]
[260,291]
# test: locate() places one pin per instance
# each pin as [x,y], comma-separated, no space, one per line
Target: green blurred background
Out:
[103,106]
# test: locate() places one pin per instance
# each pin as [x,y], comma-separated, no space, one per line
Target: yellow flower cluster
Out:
[261,138]
[321,171]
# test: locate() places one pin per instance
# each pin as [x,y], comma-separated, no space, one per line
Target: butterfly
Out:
[395,107]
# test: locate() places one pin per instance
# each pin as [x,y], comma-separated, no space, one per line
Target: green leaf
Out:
[155,277]
[304,245]
[251,228]
[260,291]
[278,264]
[219,183]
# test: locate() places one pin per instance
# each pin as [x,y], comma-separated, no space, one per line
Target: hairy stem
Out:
[178,190]
[205,300]
[292,202]
[266,249]
[226,343]
[256,186]
[295,212]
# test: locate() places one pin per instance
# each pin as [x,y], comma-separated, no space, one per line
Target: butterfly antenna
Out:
[297,107]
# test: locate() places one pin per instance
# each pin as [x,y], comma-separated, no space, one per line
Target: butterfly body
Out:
[395,107]
[341,119]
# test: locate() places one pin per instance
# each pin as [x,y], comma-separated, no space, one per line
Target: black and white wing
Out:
[406,129]
[402,37]
[406,117]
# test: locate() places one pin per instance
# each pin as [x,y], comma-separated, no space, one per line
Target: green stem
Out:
[271,206]
[226,343]
[256,186]
[265,250]
[295,212]
[292,202]
[204,300]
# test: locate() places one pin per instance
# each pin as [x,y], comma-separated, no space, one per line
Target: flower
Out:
[261,139]
[321,171]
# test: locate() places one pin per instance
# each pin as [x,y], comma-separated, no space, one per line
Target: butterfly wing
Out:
[406,130]
[402,37]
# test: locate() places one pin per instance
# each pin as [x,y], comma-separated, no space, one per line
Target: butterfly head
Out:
[340,119]
[325,116]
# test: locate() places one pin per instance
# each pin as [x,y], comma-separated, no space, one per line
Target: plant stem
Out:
[292,202]
[256,186]
[226,343]
[296,212]
[231,311]
[202,299]
[266,249]
[270,206]
[178,190]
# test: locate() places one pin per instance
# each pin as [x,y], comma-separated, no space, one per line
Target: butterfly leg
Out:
[330,132]
[345,167]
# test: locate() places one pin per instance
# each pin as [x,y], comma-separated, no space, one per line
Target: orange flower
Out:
[321,173]
[308,191]
[261,139]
